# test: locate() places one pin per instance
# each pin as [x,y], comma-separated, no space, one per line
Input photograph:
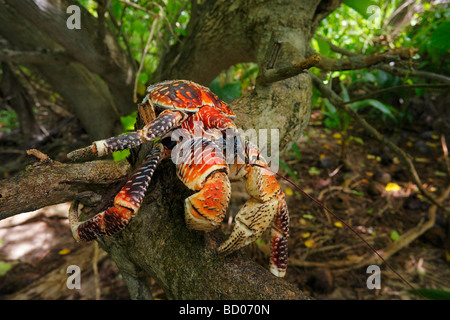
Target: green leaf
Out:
[120,155]
[324,47]
[228,92]
[385,109]
[358,193]
[5,267]
[440,38]
[433,294]
[314,171]
[129,121]
[231,91]
[289,171]
[296,151]
[360,6]
[394,235]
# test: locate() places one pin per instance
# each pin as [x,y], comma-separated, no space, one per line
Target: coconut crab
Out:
[205,120]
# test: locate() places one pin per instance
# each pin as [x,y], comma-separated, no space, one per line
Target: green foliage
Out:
[8,120]
[128,125]
[227,92]
[233,82]
[360,6]
[394,235]
[433,294]
[350,27]
[5,267]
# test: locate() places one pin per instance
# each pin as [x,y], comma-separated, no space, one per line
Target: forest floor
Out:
[370,190]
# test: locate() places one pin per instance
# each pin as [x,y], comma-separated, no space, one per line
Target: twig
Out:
[445,152]
[338,49]
[141,65]
[136,6]
[124,39]
[414,73]
[95,270]
[38,154]
[360,61]
[273,75]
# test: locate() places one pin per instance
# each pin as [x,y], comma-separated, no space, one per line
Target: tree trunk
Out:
[220,34]
[96,81]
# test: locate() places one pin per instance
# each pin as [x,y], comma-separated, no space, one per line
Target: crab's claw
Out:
[266,207]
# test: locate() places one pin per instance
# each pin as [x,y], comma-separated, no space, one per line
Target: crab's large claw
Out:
[206,209]
[203,169]
[266,207]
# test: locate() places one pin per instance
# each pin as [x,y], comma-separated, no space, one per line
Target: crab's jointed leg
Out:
[206,172]
[266,207]
[165,122]
[126,203]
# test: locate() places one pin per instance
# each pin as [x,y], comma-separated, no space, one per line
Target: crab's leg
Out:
[280,233]
[204,170]
[126,203]
[266,204]
[165,122]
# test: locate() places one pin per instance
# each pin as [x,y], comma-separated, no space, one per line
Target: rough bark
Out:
[222,33]
[157,242]
[52,183]
[96,83]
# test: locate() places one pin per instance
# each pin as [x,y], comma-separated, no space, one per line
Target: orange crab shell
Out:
[186,96]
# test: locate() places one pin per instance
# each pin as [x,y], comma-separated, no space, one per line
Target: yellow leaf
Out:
[302,221]
[370,156]
[338,224]
[337,135]
[141,90]
[288,192]
[353,257]
[392,186]
[368,173]
[306,235]
[63,252]
[310,243]
[322,156]
[409,144]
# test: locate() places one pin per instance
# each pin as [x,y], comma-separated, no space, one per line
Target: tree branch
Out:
[273,75]
[364,61]
[37,56]
[48,183]
[397,71]
[157,240]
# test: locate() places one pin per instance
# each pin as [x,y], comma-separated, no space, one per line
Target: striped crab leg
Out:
[165,122]
[126,203]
